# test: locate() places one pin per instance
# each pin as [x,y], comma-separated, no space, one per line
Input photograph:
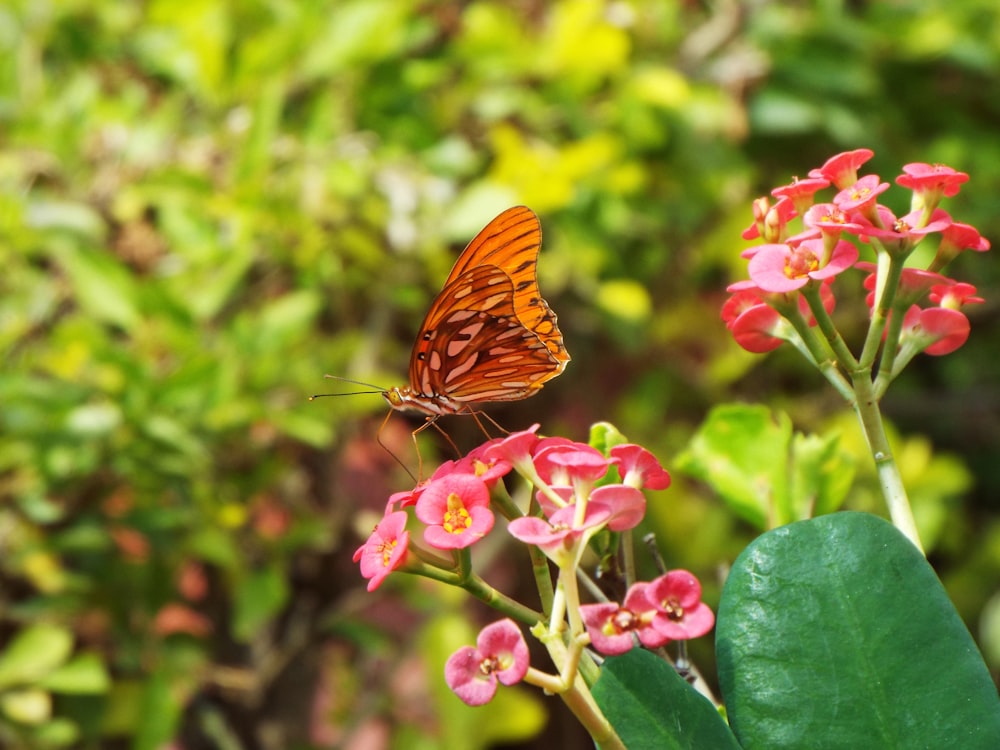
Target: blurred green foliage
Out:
[205,206]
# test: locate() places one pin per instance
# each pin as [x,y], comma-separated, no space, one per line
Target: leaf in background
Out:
[33,653]
[102,286]
[651,706]
[85,674]
[741,451]
[259,596]
[836,633]
[822,475]
[26,705]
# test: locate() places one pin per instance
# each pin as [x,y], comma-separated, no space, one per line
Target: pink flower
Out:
[484,463]
[681,614]
[500,655]
[627,505]
[760,329]
[611,626]
[842,169]
[782,268]
[906,230]
[932,180]
[456,511]
[559,534]
[801,192]
[515,449]
[639,468]
[385,550]
[830,219]
[406,498]
[861,195]
[570,463]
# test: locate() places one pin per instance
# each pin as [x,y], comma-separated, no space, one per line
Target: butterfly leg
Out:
[476,414]
[387,449]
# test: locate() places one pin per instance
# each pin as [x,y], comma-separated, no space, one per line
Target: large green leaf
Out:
[836,633]
[651,706]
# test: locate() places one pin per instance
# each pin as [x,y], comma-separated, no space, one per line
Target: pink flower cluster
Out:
[757,310]
[579,491]
[454,504]
[666,609]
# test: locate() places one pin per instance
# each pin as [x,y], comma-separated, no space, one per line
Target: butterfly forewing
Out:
[511,242]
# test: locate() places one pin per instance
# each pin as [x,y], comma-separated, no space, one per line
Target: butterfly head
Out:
[404,398]
[397,397]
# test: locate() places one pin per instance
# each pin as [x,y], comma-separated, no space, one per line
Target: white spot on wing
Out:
[459,370]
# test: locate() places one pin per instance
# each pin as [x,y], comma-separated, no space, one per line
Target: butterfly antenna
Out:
[349,393]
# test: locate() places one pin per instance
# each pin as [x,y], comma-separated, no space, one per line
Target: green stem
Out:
[822,353]
[570,687]
[867,410]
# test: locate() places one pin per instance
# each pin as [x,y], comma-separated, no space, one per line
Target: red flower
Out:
[680,612]
[611,626]
[933,180]
[500,655]
[385,550]
[769,221]
[914,283]
[842,169]
[801,192]
[956,238]
[639,468]
[179,618]
[456,511]
[954,294]
[936,330]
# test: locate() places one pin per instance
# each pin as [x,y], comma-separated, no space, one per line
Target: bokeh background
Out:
[205,206]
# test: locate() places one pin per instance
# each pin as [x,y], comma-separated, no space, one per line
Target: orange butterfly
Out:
[489,335]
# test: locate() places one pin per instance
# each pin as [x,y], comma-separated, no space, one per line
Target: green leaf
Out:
[742,452]
[836,633]
[604,436]
[259,596]
[103,286]
[35,652]
[83,675]
[26,706]
[822,475]
[651,706]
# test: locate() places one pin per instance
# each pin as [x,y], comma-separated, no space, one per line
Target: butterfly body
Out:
[489,335]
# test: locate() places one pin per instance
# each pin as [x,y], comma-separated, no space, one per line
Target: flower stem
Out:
[867,409]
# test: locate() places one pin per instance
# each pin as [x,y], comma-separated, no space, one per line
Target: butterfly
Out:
[489,335]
